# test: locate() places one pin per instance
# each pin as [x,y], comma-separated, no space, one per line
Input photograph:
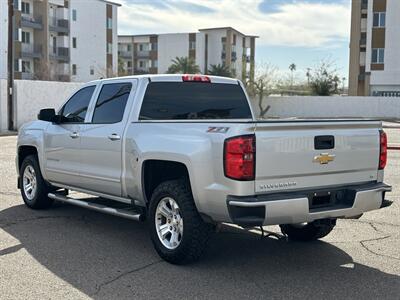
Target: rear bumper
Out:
[297,207]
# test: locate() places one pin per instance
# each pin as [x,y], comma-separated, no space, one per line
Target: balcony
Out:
[144,54]
[61,54]
[363,42]
[141,71]
[31,21]
[31,50]
[58,25]
[27,75]
[125,54]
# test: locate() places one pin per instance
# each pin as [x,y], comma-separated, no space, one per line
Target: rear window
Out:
[194,100]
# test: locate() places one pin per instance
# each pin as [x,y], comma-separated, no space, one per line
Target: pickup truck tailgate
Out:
[297,155]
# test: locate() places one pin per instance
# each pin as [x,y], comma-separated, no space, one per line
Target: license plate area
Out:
[331,199]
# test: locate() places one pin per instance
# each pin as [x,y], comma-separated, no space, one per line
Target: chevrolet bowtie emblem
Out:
[324,158]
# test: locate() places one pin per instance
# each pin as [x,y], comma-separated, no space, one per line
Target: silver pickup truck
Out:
[185,153]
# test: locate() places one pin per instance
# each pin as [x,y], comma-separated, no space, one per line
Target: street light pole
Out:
[10,62]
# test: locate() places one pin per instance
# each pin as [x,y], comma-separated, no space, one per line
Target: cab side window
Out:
[110,105]
[74,111]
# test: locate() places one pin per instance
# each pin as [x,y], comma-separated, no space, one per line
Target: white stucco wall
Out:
[115,39]
[3,39]
[31,96]
[200,51]
[171,46]
[331,107]
[3,105]
[215,45]
[91,44]
[390,77]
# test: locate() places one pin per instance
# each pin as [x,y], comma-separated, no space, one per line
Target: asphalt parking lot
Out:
[69,252]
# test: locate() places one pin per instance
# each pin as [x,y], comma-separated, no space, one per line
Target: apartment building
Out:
[153,53]
[374,48]
[63,40]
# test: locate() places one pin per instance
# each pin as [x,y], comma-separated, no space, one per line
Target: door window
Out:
[74,111]
[110,105]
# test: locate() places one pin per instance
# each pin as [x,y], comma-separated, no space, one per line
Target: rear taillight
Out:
[196,78]
[240,157]
[383,150]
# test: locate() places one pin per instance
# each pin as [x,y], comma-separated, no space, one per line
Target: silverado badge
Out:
[324,158]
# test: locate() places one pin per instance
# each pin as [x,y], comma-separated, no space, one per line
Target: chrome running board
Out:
[120,212]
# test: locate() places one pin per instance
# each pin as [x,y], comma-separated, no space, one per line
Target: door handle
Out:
[114,137]
[74,135]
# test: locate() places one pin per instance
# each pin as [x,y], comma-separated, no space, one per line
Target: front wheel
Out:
[176,228]
[308,231]
[34,189]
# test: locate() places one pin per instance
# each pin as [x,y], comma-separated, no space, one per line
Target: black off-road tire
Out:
[40,199]
[196,232]
[309,232]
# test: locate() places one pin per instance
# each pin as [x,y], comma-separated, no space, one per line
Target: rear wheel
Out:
[176,228]
[34,189]
[309,231]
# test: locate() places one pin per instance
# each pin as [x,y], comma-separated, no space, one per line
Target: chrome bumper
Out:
[294,207]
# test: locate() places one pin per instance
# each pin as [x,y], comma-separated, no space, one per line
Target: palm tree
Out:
[183,65]
[292,68]
[220,70]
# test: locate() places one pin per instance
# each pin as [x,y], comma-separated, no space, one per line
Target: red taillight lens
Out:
[383,150]
[240,157]
[196,78]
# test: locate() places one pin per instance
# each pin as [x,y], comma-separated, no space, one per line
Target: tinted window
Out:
[111,103]
[76,107]
[194,100]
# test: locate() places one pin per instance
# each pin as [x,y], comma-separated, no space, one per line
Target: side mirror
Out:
[47,114]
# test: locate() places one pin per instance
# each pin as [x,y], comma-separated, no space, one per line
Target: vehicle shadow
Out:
[108,257]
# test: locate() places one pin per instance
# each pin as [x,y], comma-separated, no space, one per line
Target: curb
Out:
[8,133]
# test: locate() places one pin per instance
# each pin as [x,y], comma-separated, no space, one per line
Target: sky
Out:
[303,32]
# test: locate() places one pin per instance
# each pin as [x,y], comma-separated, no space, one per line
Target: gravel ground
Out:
[68,252]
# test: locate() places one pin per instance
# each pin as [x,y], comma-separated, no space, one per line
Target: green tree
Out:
[220,70]
[121,67]
[324,79]
[262,86]
[183,65]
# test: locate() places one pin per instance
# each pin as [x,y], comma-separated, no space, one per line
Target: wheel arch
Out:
[155,171]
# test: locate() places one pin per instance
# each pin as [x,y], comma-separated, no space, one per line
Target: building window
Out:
[26,66]
[74,42]
[91,70]
[153,46]
[109,48]
[129,48]
[129,64]
[25,8]
[109,23]
[74,15]
[141,64]
[154,63]
[192,45]
[26,37]
[16,65]
[140,47]
[74,69]
[378,56]
[379,19]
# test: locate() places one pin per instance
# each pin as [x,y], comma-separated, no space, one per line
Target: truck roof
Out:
[172,77]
